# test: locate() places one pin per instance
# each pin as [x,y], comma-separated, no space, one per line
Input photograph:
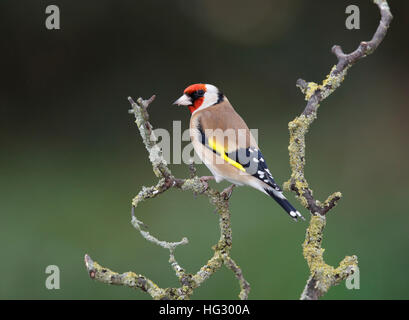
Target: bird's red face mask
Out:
[193,97]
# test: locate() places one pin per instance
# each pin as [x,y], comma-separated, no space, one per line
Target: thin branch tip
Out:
[151,99]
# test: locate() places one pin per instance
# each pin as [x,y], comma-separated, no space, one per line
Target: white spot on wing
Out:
[279,194]
[299,214]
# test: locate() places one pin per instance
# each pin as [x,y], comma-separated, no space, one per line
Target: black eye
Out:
[197,94]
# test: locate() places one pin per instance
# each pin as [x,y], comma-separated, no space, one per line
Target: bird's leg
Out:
[205,179]
[192,170]
[228,191]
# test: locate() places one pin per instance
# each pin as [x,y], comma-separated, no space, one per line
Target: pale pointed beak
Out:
[183,101]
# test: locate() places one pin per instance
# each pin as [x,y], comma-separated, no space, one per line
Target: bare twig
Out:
[244,285]
[197,185]
[324,276]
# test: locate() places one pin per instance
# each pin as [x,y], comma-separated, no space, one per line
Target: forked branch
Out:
[197,185]
[324,276]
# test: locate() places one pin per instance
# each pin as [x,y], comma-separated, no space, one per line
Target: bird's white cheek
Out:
[210,99]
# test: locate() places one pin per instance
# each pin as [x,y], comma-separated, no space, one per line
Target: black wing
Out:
[254,163]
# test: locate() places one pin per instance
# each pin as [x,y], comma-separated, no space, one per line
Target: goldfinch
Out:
[225,144]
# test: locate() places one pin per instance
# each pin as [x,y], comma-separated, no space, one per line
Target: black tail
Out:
[283,202]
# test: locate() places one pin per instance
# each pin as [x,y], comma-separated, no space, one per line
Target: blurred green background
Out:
[72,159]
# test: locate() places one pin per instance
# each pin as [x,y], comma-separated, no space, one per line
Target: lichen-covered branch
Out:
[324,276]
[220,201]
[128,279]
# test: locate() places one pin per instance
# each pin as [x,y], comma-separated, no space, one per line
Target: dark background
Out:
[72,159]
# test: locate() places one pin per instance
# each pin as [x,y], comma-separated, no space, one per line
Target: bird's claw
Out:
[204,180]
[226,193]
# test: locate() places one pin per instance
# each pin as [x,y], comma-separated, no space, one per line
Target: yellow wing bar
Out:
[221,151]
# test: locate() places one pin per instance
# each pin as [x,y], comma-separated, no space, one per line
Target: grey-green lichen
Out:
[139,109]
[298,129]
[129,279]
[332,81]
[193,184]
[323,275]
